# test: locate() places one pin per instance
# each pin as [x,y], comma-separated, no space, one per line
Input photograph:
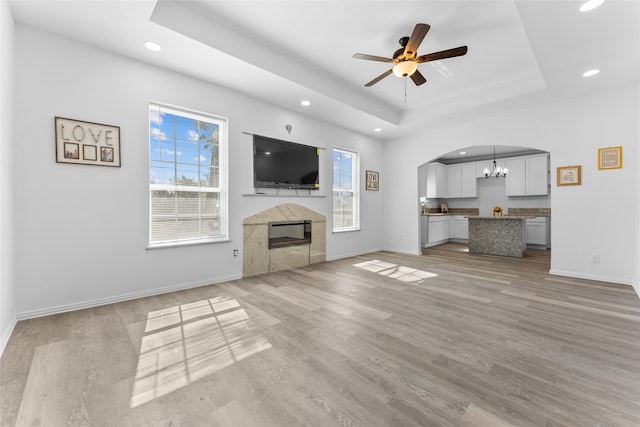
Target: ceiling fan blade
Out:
[416,38]
[380,77]
[371,57]
[443,54]
[418,78]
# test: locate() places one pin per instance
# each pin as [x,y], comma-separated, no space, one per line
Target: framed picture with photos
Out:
[87,143]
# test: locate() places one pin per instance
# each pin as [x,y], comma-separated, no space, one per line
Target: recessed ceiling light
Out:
[590,73]
[590,5]
[305,103]
[377,130]
[462,153]
[152,46]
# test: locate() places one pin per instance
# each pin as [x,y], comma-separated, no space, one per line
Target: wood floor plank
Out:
[447,338]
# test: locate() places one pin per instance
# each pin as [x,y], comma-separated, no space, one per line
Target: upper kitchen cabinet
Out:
[468,181]
[528,176]
[436,181]
[454,181]
[461,181]
[537,169]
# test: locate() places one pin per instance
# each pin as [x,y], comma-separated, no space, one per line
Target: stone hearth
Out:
[257,258]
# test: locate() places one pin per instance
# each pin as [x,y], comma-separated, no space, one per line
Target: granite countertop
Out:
[524,213]
[536,212]
[452,211]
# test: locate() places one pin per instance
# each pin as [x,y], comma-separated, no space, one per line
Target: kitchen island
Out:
[498,235]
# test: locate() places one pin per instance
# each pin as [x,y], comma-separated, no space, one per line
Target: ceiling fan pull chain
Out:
[405,90]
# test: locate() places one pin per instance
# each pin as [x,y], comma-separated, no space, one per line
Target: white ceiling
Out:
[521,53]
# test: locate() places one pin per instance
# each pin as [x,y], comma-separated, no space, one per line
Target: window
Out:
[346,215]
[187,177]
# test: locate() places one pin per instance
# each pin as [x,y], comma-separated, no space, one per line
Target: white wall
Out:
[82,230]
[7,282]
[597,218]
[636,281]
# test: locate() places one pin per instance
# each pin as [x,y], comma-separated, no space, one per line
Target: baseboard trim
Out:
[6,334]
[352,254]
[617,280]
[403,251]
[120,298]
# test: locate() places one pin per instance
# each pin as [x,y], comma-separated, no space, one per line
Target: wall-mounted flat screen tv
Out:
[283,164]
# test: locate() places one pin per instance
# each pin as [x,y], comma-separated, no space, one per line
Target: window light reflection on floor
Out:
[395,271]
[185,343]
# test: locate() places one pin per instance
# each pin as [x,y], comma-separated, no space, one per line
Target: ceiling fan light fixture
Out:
[405,68]
[152,46]
[590,5]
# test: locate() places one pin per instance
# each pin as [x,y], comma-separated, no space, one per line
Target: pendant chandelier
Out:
[496,170]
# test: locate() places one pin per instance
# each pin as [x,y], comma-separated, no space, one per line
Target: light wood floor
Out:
[444,339]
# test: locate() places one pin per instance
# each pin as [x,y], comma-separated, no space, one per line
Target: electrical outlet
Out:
[595,259]
[235,252]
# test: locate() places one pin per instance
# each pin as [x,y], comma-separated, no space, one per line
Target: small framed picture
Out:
[372,180]
[89,152]
[106,154]
[71,150]
[610,158]
[569,175]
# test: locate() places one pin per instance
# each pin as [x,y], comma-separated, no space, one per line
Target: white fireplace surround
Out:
[257,258]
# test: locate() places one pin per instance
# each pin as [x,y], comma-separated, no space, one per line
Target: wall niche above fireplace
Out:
[299,235]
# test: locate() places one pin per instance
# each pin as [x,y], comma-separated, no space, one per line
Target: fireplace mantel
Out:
[259,259]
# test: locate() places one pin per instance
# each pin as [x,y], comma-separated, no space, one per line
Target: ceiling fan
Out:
[405,59]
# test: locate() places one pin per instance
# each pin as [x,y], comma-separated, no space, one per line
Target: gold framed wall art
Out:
[610,158]
[569,175]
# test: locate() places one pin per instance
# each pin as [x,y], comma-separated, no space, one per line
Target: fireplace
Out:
[280,238]
[289,233]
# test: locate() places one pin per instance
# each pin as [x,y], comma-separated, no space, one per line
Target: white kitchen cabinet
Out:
[454,181]
[537,179]
[515,180]
[439,228]
[468,180]
[538,232]
[528,176]
[460,227]
[436,181]
[461,181]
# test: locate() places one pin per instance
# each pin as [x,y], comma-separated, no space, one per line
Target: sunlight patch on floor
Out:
[395,271]
[185,343]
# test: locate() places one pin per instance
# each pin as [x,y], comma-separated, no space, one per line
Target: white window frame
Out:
[222,188]
[355,189]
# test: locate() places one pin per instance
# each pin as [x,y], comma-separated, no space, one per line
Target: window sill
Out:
[187,243]
[345,230]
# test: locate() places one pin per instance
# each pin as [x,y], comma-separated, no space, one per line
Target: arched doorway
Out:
[457,181]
